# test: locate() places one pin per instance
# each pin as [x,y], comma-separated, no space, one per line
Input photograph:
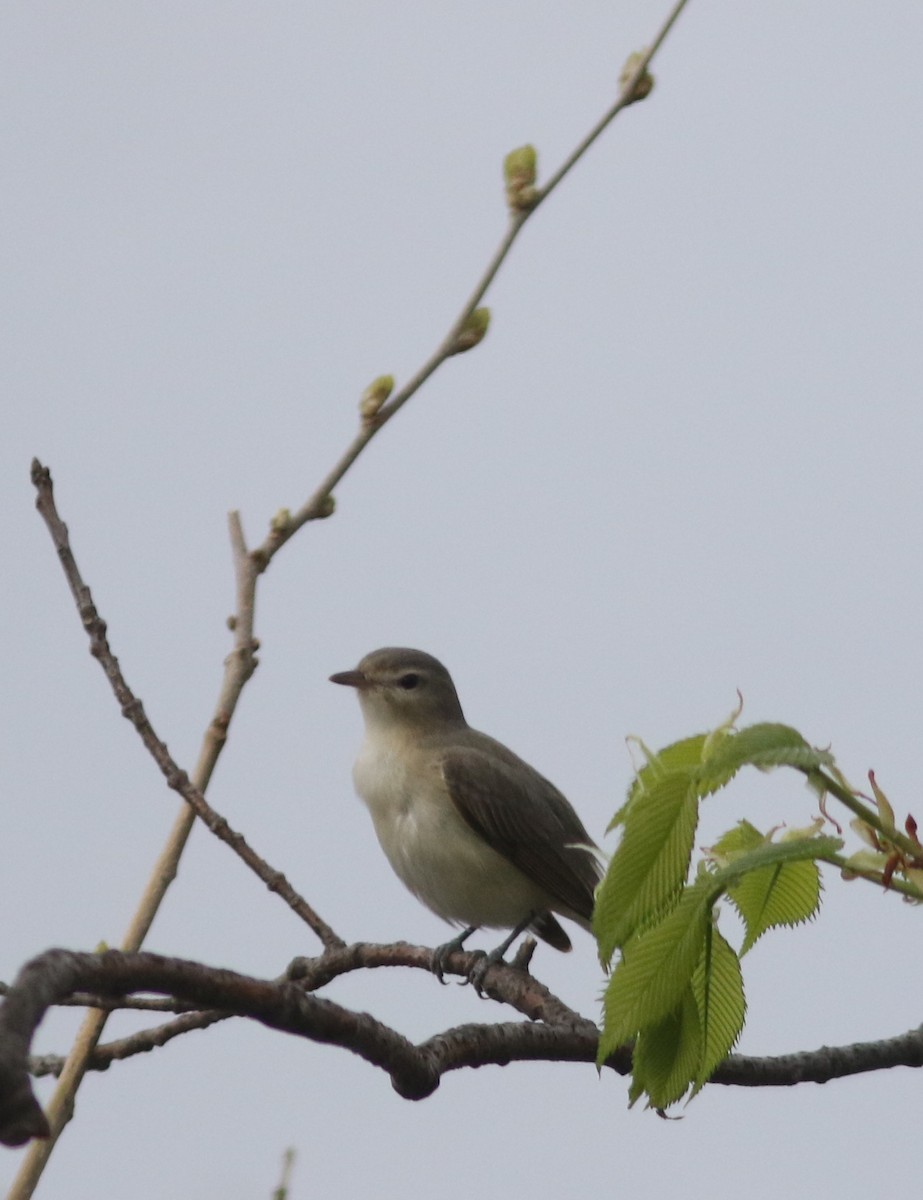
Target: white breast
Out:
[430,846]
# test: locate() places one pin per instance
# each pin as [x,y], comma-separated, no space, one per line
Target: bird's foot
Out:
[483,961]
[486,961]
[520,962]
[481,966]
[441,953]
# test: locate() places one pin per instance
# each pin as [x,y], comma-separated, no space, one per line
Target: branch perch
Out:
[553,1034]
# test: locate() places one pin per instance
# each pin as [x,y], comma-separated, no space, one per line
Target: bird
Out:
[474,832]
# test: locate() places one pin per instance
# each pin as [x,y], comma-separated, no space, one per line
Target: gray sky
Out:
[685,461]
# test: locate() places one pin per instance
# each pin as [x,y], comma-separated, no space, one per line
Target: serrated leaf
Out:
[682,756]
[635,1089]
[650,865]
[770,853]
[667,1055]
[739,840]
[784,894]
[655,970]
[764,745]
[684,955]
[684,1048]
[718,988]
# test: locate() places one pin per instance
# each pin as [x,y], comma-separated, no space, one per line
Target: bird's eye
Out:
[409,681]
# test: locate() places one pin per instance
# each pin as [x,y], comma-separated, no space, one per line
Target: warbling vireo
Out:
[473,831]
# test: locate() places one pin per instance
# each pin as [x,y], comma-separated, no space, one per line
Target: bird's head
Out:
[408,688]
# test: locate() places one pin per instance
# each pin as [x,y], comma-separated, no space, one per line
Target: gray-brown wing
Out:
[527,820]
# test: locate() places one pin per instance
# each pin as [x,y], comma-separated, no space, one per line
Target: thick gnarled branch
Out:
[553,1032]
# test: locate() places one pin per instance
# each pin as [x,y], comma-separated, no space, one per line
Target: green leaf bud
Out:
[472,331]
[519,174]
[645,82]
[374,397]
[281,521]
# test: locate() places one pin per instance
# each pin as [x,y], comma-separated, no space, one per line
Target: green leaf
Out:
[686,1045]
[650,865]
[679,1041]
[667,1055]
[659,818]
[771,883]
[718,988]
[677,991]
[784,894]
[684,756]
[765,745]
[655,969]
[737,841]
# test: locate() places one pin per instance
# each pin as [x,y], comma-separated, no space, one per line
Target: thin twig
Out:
[133,710]
[626,97]
[318,503]
[141,1042]
[823,781]
[288,1164]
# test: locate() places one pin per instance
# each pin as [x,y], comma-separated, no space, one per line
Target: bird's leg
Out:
[483,964]
[441,953]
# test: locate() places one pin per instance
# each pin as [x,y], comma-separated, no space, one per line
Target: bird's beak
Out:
[356,679]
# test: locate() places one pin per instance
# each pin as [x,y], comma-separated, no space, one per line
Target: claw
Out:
[441,953]
[484,961]
[480,968]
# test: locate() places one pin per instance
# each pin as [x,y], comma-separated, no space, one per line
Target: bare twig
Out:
[288,1163]
[141,1042]
[628,95]
[133,710]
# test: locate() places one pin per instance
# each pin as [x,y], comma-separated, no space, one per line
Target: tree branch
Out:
[553,1032]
